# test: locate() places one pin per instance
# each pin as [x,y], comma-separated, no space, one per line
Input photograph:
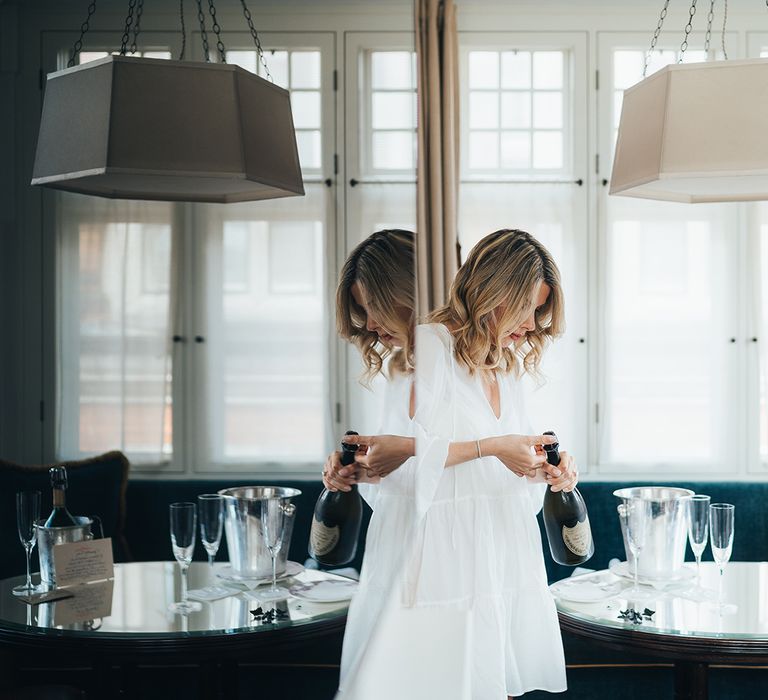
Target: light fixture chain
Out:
[137,27]
[662,17]
[128,23]
[217,31]
[257,41]
[183,30]
[84,27]
[710,17]
[725,20]
[688,28]
[201,19]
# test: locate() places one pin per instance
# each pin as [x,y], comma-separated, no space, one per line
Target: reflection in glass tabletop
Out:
[680,608]
[136,603]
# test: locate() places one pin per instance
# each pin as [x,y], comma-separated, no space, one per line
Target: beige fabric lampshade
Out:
[695,133]
[141,128]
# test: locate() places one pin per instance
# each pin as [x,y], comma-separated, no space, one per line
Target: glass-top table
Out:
[126,621]
[690,624]
[135,604]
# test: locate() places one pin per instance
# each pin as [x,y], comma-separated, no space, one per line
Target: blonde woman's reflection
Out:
[375,312]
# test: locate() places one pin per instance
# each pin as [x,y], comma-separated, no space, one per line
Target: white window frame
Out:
[740,424]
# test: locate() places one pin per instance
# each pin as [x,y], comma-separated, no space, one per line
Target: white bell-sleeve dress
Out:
[488,626]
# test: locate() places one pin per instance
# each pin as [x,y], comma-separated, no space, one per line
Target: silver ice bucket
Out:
[248,554]
[49,537]
[666,530]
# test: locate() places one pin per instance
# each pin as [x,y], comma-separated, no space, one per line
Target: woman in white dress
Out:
[375,312]
[470,615]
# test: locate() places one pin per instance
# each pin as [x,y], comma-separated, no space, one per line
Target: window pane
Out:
[266,359]
[394,110]
[483,69]
[547,69]
[483,110]
[277,62]
[667,285]
[393,150]
[244,59]
[308,143]
[548,149]
[516,69]
[763,332]
[392,70]
[305,69]
[306,109]
[483,150]
[516,110]
[516,149]
[548,110]
[627,68]
[88,56]
[115,271]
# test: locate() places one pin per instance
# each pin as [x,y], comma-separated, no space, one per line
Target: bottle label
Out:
[323,538]
[578,538]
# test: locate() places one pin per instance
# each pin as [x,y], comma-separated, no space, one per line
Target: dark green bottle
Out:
[60,516]
[566,520]
[336,522]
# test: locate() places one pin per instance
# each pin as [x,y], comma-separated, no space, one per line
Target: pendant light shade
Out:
[695,133]
[141,128]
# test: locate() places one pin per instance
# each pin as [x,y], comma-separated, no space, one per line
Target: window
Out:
[194,336]
[669,309]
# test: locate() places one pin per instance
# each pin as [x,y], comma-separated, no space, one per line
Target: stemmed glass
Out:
[27,514]
[698,526]
[721,538]
[210,507]
[274,516]
[183,533]
[635,513]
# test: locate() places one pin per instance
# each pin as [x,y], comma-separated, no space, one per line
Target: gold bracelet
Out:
[479,452]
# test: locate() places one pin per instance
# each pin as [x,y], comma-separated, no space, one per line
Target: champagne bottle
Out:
[336,522]
[566,520]
[60,516]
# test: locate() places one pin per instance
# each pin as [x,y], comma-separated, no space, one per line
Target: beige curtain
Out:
[438,150]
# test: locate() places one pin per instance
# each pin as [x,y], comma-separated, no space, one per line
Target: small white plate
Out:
[292,568]
[621,568]
[325,591]
[587,590]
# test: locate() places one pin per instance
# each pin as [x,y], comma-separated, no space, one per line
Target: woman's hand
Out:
[518,453]
[379,455]
[562,477]
[337,477]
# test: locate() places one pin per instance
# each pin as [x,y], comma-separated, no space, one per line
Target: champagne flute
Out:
[698,525]
[721,521]
[635,513]
[210,507]
[27,514]
[183,533]
[274,515]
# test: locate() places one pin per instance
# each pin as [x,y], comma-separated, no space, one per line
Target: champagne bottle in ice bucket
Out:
[566,519]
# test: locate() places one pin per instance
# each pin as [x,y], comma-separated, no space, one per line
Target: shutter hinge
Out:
[597,80]
[338,412]
[42,411]
[335,80]
[597,412]
[335,163]
[597,163]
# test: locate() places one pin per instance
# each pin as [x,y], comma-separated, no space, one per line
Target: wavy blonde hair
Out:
[494,290]
[383,267]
